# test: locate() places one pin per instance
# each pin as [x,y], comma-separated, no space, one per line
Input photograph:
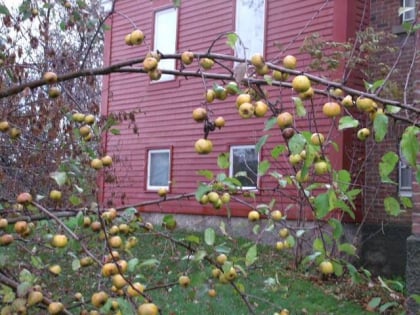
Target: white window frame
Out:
[409,15]
[165,39]
[404,169]
[231,166]
[249,27]
[149,170]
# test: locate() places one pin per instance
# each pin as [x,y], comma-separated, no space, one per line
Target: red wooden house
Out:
[156,146]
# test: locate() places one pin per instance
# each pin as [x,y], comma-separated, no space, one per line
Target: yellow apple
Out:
[326,267]
[261,108]
[187,57]
[246,110]
[301,83]
[289,62]
[284,119]
[136,37]
[284,232]
[253,215]
[148,309]
[203,146]
[59,240]
[106,160]
[199,114]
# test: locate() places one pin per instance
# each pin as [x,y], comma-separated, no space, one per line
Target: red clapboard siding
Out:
[164,119]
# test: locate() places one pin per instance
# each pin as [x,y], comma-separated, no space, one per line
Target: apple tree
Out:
[51,135]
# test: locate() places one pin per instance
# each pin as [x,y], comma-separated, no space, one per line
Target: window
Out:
[244,165]
[409,10]
[250,21]
[158,169]
[166,23]
[405,180]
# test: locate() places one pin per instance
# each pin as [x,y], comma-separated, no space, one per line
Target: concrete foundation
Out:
[383,249]
[413,274]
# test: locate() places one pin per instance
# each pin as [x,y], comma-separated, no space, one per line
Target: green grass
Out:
[270,284]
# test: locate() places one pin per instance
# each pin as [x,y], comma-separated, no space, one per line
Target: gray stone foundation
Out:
[413,274]
[383,249]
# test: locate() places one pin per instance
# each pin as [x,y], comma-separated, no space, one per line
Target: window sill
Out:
[407,194]
[159,85]
[399,30]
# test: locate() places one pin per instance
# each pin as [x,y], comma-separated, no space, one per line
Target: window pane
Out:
[409,15]
[244,159]
[158,169]
[165,38]
[250,16]
[405,178]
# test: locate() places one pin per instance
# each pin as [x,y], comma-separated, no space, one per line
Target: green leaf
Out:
[59,177]
[74,200]
[297,143]
[386,306]
[270,123]
[206,173]
[199,255]
[115,132]
[392,109]
[232,38]
[201,191]
[386,166]
[318,246]
[377,84]
[300,107]
[322,205]
[192,239]
[169,221]
[223,161]
[4,10]
[23,289]
[263,167]
[392,206]
[291,241]
[374,303]
[209,236]
[347,248]
[261,143]
[251,255]
[338,268]
[380,126]
[222,249]
[343,179]
[346,122]
[152,262]
[337,228]
[177,4]
[8,295]
[80,218]
[277,150]
[75,264]
[36,261]
[268,79]
[406,202]
[132,264]
[410,145]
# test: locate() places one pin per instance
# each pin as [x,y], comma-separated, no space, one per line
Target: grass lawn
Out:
[269,285]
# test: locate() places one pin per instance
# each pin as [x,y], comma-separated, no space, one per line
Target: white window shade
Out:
[244,161]
[250,26]
[165,37]
[158,169]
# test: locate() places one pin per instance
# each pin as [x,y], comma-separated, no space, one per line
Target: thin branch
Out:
[14,285]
